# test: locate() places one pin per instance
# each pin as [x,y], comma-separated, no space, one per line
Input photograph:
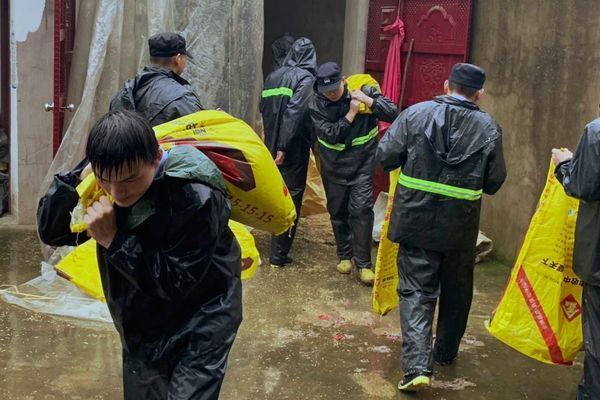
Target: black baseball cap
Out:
[329,76]
[167,44]
[469,75]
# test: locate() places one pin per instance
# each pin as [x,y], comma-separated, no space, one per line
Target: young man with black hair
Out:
[450,153]
[169,264]
[159,93]
[347,145]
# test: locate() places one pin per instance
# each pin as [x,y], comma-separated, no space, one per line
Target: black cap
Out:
[167,44]
[468,75]
[329,76]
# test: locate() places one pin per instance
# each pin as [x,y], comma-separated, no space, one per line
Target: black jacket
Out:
[581,179]
[347,150]
[285,99]
[158,94]
[171,276]
[450,152]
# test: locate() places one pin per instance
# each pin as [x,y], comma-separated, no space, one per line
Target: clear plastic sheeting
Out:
[51,294]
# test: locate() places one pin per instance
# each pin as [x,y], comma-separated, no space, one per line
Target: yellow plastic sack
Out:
[385,296]
[258,194]
[540,311]
[81,265]
[356,82]
[81,268]
[250,255]
[88,191]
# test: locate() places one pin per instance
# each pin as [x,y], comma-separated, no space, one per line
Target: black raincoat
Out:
[581,179]
[280,48]
[284,106]
[347,155]
[171,277]
[450,153]
[158,94]
[347,150]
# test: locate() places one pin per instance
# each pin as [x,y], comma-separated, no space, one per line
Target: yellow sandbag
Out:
[80,266]
[88,191]
[250,255]
[258,194]
[385,296]
[314,200]
[356,82]
[540,311]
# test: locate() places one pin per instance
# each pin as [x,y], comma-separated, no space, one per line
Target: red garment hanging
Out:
[392,73]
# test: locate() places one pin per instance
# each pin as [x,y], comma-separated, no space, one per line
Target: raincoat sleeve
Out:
[54,210]
[392,149]
[383,108]
[330,132]
[178,265]
[495,171]
[581,175]
[295,112]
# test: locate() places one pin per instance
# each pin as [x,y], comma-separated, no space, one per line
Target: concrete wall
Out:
[542,60]
[355,36]
[320,21]
[31,87]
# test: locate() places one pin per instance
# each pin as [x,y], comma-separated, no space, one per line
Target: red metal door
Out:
[440,29]
[64,39]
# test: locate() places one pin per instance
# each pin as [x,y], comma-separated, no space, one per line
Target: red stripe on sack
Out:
[540,318]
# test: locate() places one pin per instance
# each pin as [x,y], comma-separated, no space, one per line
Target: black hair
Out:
[120,138]
[466,91]
[162,61]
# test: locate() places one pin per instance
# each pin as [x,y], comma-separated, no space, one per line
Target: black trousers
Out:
[197,375]
[589,387]
[425,276]
[294,175]
[350,207]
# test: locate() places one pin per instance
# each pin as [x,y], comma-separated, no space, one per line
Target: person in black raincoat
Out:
[284,107]
[280,49]
[170,266]
[347,145]
[450,153]
[158,92]
[580,176]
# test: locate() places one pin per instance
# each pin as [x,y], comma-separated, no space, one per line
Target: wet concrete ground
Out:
[308,333]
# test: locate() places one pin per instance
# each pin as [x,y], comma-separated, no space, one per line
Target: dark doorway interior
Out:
[4,105]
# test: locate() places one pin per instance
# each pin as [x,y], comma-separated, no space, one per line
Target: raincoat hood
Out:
[302,55]
[453,135]
[280,48]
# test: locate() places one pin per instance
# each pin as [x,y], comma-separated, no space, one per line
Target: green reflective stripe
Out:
[439,188]
[365,139]
[337,147]
[280,91]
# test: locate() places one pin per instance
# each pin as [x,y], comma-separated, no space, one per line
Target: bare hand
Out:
[101,221]
[354,106]
[561,155]
[362,97]
[280,157]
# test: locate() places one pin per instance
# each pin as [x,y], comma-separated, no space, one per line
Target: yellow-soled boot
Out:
[367,276]
[344,266]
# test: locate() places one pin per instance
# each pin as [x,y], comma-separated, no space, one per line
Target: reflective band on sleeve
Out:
[280,91]
[439,188]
